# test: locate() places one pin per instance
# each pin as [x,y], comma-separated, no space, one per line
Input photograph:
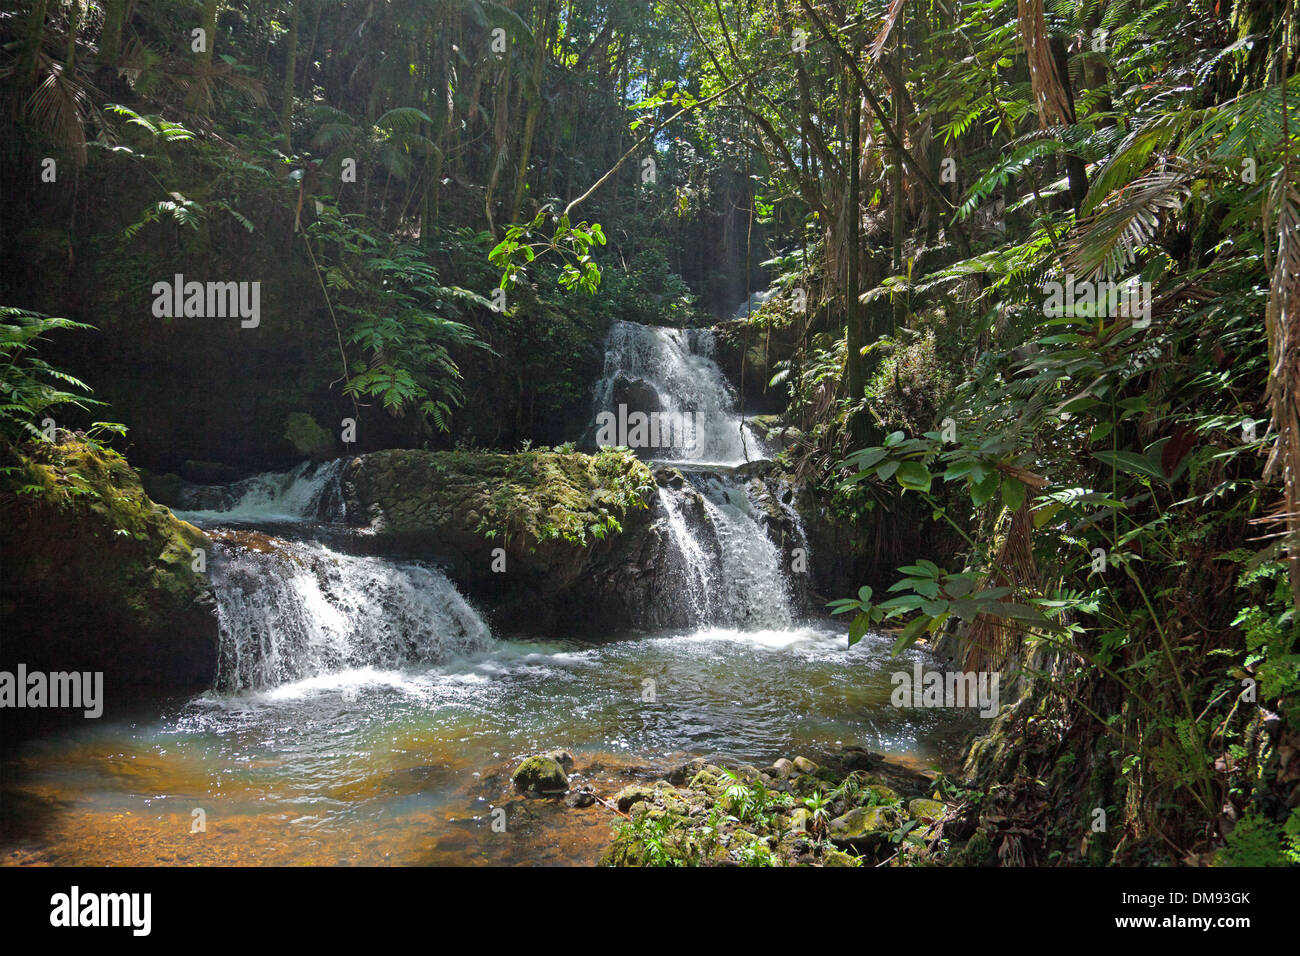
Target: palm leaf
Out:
[1106,242]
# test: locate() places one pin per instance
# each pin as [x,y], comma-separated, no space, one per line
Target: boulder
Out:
[97,577]
[927,810]
[863,828]
[563,758]
[633,794]
[540,774]
[780,770]
[878,793]
[547,541]
[580,798]
[685,773]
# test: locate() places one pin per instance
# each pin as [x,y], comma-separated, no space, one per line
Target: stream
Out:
[364,712]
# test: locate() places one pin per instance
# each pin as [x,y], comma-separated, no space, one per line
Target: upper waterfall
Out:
[662,394]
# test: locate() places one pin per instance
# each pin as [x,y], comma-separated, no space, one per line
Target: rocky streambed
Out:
[853,808]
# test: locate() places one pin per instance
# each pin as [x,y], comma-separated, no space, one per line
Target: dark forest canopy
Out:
[1034,273]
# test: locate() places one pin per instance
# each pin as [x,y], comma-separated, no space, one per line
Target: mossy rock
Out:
[573,533]
[164,489]
[840,858]
[924,809]
[781,769]
[97,576]
[307,437]
[864,828]
[634,794]
[541,774]
[877,794]
[978,851]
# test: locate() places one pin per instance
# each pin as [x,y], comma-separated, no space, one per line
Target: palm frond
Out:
[1106,242]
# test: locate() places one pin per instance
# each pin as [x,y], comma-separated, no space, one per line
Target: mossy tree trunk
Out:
[290,66]
[110,41]
[33,34]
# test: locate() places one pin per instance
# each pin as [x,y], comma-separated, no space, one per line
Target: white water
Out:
[695,567]
[751,582]
[672,371]
[753,303]
[309,492]
[363,712]
[296,610]
[728,566]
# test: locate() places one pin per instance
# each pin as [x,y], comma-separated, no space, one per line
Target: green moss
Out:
[98,571]
[978,850]
[307,437]
[535,495]
[540,774]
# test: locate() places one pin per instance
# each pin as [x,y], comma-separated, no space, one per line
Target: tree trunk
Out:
[853,361]
[33,35]
[533,94]
[290,66]
[110,43]
[200,97]
[74,23]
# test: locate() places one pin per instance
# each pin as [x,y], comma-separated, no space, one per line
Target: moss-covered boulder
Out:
[633,794]
[96,576]
[542,774]
[876,794]
[307,436]
[927,810]
[545,540]
[864,828]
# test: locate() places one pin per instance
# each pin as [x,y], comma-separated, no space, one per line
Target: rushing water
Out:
[672,372]
[364,712]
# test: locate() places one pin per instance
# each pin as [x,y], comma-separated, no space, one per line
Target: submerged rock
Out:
[580,798]
[541,773]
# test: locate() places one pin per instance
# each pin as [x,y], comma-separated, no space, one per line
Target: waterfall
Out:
[671,373]
[295,609]
[753,303]
[730,556]
[695,569]
[730,561]
[310,492]
[753,592]
[290,610]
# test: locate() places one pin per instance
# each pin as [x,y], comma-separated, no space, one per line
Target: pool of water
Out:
[369,766]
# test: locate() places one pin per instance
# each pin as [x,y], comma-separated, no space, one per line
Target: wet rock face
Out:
[552,542]
[97,577]
[637,394]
